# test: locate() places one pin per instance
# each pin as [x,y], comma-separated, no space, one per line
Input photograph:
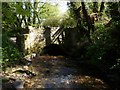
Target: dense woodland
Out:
[88,34]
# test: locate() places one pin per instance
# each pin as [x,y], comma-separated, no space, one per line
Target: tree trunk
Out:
[77,14]
[35,12]
[28,7]
[47,35]
[101,8]
[88,20]
[95,7]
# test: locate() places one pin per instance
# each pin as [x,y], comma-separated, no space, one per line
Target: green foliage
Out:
[68,21]
[54,21]
[12,15]
[48,10]
[10,54]
[105,49]
[7,12]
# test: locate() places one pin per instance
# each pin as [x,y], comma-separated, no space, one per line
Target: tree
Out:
[95,7]
[88,20]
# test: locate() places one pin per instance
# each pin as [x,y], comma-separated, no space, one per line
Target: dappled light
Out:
[60,45]
[52,72]
[63,7]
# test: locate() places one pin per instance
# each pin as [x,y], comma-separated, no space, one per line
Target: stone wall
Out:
[33,41]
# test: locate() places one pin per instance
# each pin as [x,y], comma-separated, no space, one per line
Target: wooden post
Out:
[47,35]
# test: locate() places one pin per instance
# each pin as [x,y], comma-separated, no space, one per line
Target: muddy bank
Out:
[57,72]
